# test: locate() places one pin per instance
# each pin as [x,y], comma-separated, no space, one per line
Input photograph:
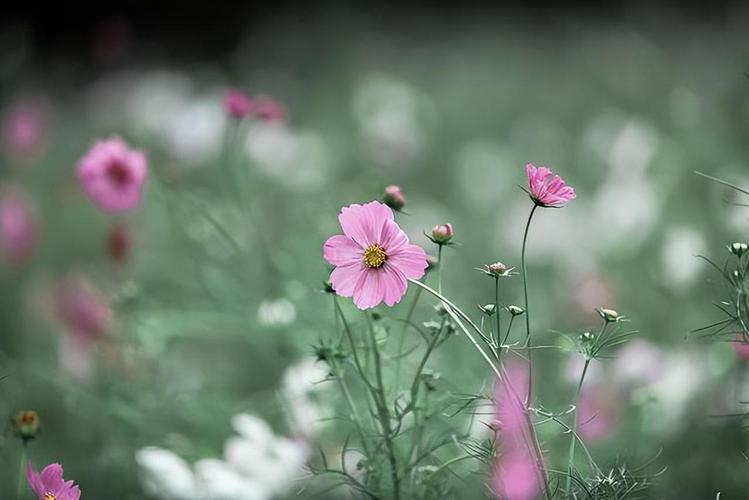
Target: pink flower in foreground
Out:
[515,477]
[547,189]
[596,412]
[82,308]
[50,485]
[237,104]
[373,258]
[268,109]
[509,398]
[112,175]
[18,227]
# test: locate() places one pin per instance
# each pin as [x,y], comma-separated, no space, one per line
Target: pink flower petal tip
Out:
[546,188]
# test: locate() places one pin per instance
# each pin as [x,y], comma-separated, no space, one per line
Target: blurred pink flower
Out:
[268,109]
[373,257]
[741,346]
[509,400]
[596,412]
[514,476]
[50,485]
[24,130]
[237,104]
[394,197]
[113,175]
[547,189]
[18,227]
[83,309]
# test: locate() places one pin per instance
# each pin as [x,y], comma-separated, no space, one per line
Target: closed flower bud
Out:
[394,198]
[487,309]
[26,424]
[738,249]
[442,233]
[515,310]
[609,315]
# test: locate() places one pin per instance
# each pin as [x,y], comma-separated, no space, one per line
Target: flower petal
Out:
[394,283]
[410,260]
[364,223]
[341,250]
[369,290]
[343,279]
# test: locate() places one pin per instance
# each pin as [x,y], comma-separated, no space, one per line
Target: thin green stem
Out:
[439,267]
[21,463]
[571,456]
[496,313]
[527,310]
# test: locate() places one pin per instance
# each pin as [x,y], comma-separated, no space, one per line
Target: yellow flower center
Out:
[374,256]
[49,496]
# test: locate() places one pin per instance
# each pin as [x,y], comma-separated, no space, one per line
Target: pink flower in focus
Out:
[268,109]
[50,485]
[515,477]
[373,256]
[547,189]
[237,104]
[24,130]
[18,227]
[112,175]
[741,346]
[82,308]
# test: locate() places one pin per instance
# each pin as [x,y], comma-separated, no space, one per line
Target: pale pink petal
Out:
[395,284]
[411,260]
[369,290]
[343,279]
[340,250]
[393,238]
[364,223]
[515,477]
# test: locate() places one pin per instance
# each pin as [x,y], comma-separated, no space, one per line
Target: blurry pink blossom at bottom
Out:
[509,396]
[18,227]
[82,308]
[596,413]
[515,477]
[741,346]
[50,485]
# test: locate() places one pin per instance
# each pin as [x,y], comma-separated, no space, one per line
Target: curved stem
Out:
[571,456]
[527,311]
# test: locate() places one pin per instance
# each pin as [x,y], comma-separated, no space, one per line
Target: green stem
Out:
[383,412]
[527,310]
[439,267]
[496,313]
[21,463]
[571,457]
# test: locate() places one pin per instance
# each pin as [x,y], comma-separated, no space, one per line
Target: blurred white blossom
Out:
[276,312]
[679,253]
[164,474]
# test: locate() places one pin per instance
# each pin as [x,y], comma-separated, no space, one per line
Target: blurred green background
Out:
[204,323]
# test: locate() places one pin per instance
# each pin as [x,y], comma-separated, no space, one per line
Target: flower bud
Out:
[609,315]
[26,424]
[487,309]
[442,233]
[738,249]
[394,198]
[515,310]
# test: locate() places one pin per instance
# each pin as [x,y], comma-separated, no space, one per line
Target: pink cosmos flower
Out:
[547,189]
[112,175]
[596,412]
[18,227]
[50,485]
[24,130]
[268,109]
[373,258]
[237,104]
[394,197]
[442,233]
[82,308]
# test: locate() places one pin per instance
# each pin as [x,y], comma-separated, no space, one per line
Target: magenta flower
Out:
[373,258]
[18,227]
[741,346]
[547,189]
[237,104]
[596,413]
[24,130]
[268,109]
[112,175]
[50,485]
[515,476]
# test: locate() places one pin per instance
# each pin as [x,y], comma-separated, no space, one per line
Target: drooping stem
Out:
[527,311]
[21,463]
[571,456]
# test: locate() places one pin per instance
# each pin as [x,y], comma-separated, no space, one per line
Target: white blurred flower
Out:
[393,120]
[637,362]
[574,368]
[165,475]
[252,428]
[679,256]
[195,134]
[300,388]
[625,211]
[156,99]
[296,159]
[633,148]
[276,312]
[217,480]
